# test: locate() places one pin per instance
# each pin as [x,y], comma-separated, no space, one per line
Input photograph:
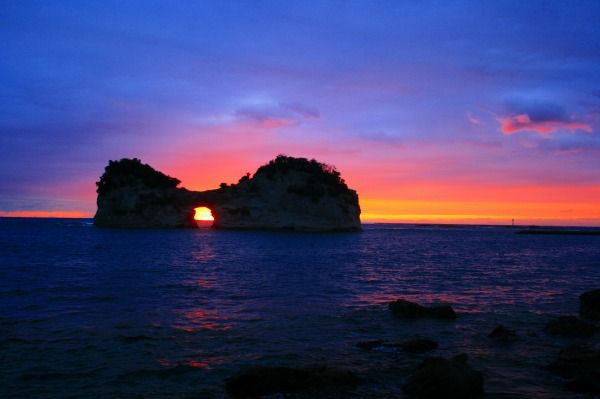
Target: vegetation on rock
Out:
[122,173]
[320,179]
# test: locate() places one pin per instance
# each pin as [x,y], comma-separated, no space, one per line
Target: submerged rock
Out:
[589,305]
[287,193]
[438,377]
[257,381]
[368,345]
[416,345]
[411,310]
[580,364]
[570,326]
[503,334]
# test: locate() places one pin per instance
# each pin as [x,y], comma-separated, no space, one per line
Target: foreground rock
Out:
[589,305]
[503,334]
[580,364]
[438,377]
[416,345]
[585,383]
[257,381]
[287,193]
[411,310]
[570,326]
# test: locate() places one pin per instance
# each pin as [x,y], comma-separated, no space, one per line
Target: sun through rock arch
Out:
[203,216]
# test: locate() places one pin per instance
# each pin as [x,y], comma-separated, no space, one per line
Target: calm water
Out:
[88,312]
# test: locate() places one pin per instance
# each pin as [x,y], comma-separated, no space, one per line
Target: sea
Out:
[88,312]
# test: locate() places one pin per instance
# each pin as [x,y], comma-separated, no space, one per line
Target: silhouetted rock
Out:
[570,326]
[589,305]
[133,194]
[438,377]
[287,193]
[411,310]
[502,334]
[257,381]
[416,345]
[580,364]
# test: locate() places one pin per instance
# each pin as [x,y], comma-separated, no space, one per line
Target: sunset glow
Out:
[46,214]
[447,117]
[203,214]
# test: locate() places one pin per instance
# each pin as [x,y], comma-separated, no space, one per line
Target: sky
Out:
[434,111]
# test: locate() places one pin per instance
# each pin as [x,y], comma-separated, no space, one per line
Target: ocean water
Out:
[102,313]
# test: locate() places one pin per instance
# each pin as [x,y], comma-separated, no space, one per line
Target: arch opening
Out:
[203,216]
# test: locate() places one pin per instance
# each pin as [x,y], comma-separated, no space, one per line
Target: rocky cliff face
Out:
[287,193]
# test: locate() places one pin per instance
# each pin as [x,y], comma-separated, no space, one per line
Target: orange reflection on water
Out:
[206,283]
[199,320]
[205,363]
[198,364]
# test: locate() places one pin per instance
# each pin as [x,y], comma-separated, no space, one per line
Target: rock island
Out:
[285,194]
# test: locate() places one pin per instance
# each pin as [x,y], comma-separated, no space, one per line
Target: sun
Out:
[203,214]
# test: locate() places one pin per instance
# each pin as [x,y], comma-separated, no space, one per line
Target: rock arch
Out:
[287,193]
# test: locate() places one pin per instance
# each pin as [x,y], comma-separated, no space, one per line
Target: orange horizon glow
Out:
[47,214]
[445,211]
[413,201]
[203,214]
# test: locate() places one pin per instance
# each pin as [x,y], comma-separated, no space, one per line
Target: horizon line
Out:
[368,222]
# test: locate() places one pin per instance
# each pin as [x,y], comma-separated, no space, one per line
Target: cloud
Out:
[539,117]
[301,109]
[266,119]
[279,116]
[472,118]
[523,122]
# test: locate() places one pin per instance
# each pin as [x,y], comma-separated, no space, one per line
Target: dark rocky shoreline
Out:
[578,364]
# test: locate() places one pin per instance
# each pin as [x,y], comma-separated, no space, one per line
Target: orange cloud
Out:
[522,122]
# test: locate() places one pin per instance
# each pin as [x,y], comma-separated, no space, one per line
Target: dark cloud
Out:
[540,111]
[282,115]
[265,119]
[303,110]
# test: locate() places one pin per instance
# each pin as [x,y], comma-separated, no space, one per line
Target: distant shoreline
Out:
[523,229]
[569,232]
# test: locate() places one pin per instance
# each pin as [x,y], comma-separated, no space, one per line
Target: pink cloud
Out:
[522,122]
[265,119]
[274,117]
